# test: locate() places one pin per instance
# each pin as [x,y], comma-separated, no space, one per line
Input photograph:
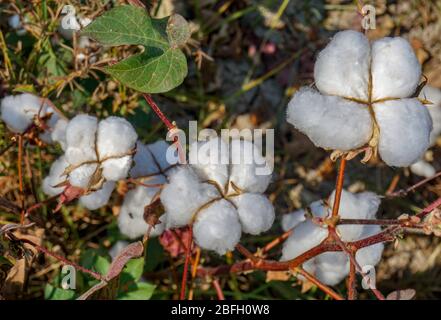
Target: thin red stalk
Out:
[339,187]
[219,292]
[276,241]
[403,192]
[319,284]
[187,260]
[435,204]
[158,111]
[20,178]
[351,282]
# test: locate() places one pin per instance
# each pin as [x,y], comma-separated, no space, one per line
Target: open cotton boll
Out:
[405,127]
[305,236]
[210,160]
[217,227]
[248,168]
[18,112]
[396,71]
[58,133]
[14,21]
[433,95]
[116,169]
[80,139]
[422,168]
[184,195]
[80,177]
[159,150]
[55,177]
[331,267]
[150,159]
[342,68]
[355,206]
[131,221]
[330,122]
[256,212]
[99,198]
[293,219]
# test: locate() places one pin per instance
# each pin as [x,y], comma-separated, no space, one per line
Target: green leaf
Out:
[152,71]
[53,293]
[134,268]
[159,68]
[138,291]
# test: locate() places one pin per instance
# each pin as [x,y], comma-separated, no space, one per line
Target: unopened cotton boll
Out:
[405,127]
[99,198]
[210,160]
[217,227]
[55,177]
[256,212]
[433,95]
[423,168]
[249,170]
[395,69]
[184,195]
[330,122]
[80,139]
[342,68]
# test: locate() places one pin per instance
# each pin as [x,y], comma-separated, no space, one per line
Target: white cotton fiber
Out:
[355,206]
[422,168]
[131,221]
[396,71]
[159,152]
[249,170]
[58,133]
[80,177]
[116,169]
[18,112]
[144,162]
[210,160]
[256,212]
[433,95]
[331,267]
[184,195]
[329,121]
[55,177]
[304,237]
[80,139]
[293,219]
[217,227]
[99,198]
[342,68]
[370,256]
[405,127]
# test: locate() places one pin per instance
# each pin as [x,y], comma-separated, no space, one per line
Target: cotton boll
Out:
[248,169]
[305,236]
[131,218]
[51,122]
[80,177]
[116,169]
[342,68]
[14,21]
[144,162]
[68,26]
[396,71]
[55,177]
[355,206]
[58,133]
[217,227]
[293,219]
[184,195]
[370,256]
[405,127]
[116,137]
[256,212]
[332,267]
[329,121]
[80,139]
[99,198]
[117,248]
[18,111]
[434,96]
[423,168]
[210,160]
[159,151]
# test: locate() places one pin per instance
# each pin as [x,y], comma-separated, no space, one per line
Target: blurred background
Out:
[246,58]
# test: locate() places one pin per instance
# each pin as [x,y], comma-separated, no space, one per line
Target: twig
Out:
[339,187]
[319,284]
[187,260]
[403,192]
[217,287]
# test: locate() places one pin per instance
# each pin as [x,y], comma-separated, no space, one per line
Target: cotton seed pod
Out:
[364,99]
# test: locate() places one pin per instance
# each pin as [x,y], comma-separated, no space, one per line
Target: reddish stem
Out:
[219,292]
[20,178]
[339,187]
[187,260]
[158,111]
[320,285]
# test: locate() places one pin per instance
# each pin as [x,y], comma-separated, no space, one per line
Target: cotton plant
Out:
[21,111]
[309,231]
[219,193]
[151,170]
[364,100]
[433,95]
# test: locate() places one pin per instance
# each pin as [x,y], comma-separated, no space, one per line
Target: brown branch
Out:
[319,284]
[339,187]
[403,192]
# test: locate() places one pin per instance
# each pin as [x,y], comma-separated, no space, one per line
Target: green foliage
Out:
[159,68]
